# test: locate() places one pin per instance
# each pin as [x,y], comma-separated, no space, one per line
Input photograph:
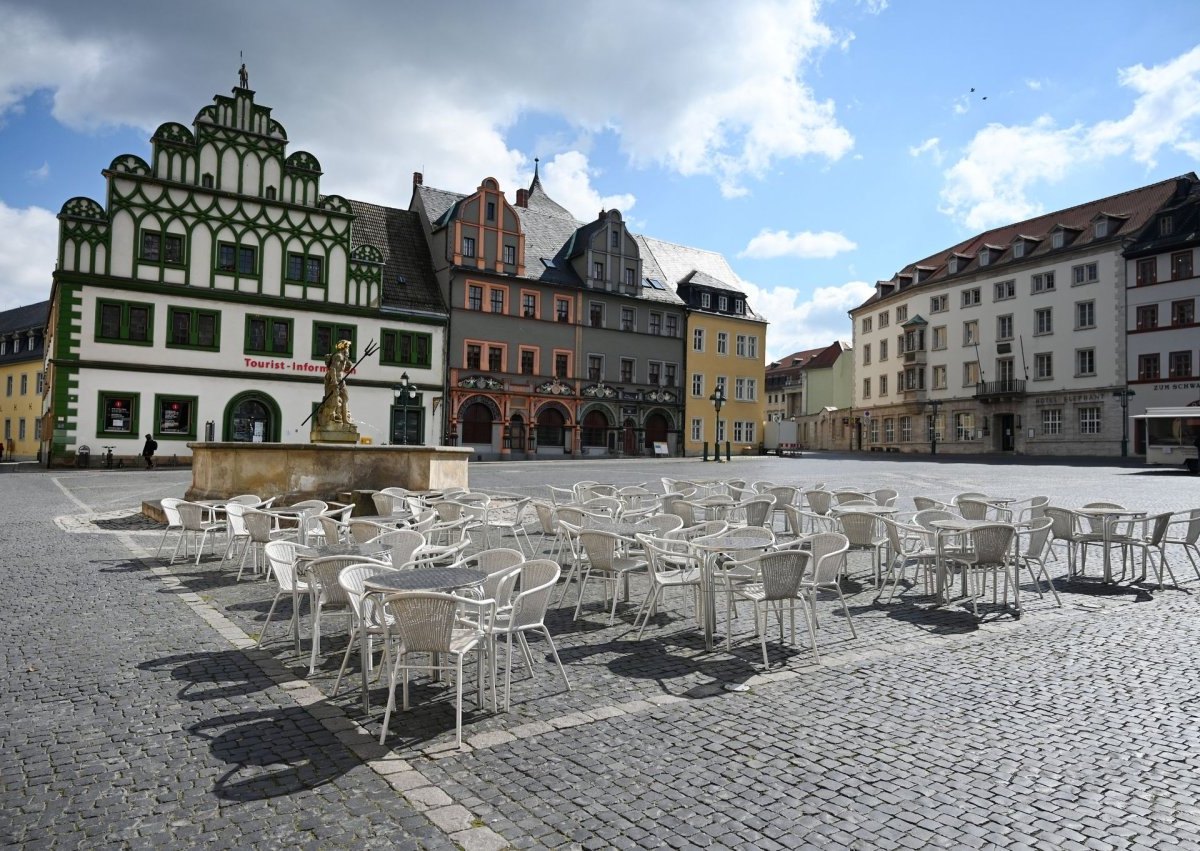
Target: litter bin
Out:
[83,456]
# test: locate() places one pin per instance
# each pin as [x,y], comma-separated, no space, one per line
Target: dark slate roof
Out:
[25,317]
[1132,210]
[1185,231]
[549,231]
[398,234]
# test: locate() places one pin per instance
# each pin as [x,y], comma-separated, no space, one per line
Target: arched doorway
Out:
[252,417]
[516,433]
[630,438]
[656,430]
[593,430]
[551,427]
[477,424]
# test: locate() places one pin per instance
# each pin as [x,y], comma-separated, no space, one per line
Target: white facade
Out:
[201,304]
[1010,342]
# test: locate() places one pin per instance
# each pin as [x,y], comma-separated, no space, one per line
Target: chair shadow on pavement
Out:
[220,675]
[122,565]
[273,753]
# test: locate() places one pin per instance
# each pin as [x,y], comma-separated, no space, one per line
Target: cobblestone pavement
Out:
[139,712]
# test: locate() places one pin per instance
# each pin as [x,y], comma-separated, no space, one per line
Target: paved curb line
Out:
[459,824]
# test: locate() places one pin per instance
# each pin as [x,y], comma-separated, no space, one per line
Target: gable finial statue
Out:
[243,77]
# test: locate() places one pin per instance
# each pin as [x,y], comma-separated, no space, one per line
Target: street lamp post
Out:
[1123,394]
[404,393]
[933,427]
[718,399]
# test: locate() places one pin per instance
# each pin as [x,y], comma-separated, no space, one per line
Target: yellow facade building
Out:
[21,355]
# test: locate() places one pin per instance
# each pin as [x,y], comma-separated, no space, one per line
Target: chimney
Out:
[418,179]
[522,197]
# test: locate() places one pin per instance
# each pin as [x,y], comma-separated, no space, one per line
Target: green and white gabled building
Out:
[210,287]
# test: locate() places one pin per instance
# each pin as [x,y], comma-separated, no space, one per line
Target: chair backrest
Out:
[259,525]
[322,573]
[799,519]
[781,573]
[845,496]
[1103,505]
[884,496]
[235,516]
[424,619]
[281,556]
[424,521]
[1157,524]
[973,509]
[335,530]
[684,509]
[1037,507]
[828,551]
[784,494]
[1096,524]
[362,531]
[247,499]
[860,528]
[397,492]
[402,543]
[600,547]
[546,516]
[191,515]
[353,580]
[606,505]
[439,555]
[1062,523]
[969,495]
[538,578]
[698,530]
[819,501]
[449,509]
[170,507]
[497,558]
[583,490]
[1036,536]
[317,504]
[924,503]
[385,503]
[660,524]
[1192,533]
[759,510]
[992,543]
[560,496]
[927,516]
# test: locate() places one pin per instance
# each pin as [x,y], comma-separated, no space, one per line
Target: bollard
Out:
[705,451]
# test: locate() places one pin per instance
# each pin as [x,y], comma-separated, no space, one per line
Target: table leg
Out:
[710,599]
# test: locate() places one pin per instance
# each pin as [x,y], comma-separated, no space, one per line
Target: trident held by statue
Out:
[338,388]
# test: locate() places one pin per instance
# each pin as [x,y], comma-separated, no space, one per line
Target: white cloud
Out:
[40,173]
[720,91]
[990,184]
[931,146]
[28,248]
[806,323]
[805,245]
[568,180]
[874,7]
[1036,85]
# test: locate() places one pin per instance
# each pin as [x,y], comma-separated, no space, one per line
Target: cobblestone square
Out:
[139,712]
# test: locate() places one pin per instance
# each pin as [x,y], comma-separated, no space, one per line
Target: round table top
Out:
[1107,512]
[725,543]
[960,524]
[426,579]
[382,518]
[864,509]
[325,550]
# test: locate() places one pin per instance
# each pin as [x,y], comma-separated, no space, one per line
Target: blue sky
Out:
[818,146]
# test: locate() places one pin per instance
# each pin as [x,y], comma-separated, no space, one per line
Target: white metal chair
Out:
[194,518]
[775,583]
[603,559]
[1187,524]
[427,622]
[367,620]
[527,613]
[828,551]
[170,507]
[671,564]
[325,594]
[281,556]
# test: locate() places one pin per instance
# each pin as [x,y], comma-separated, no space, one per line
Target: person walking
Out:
[148,451]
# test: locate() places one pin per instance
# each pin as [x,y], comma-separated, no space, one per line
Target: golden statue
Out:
[336,407]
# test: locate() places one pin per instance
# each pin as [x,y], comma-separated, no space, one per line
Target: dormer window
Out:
[723,304]
[1018,248]
[1100,228]
[985,256]
[705,300]
[1056,239]
[1166,226]
[955,263]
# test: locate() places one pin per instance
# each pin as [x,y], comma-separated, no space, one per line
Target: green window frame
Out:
[126,322]
[269,335]
[326,334]
[193,328]
[159,247]
[242,259]
[175,417]
[405,348]
[117,413]
[305,268]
